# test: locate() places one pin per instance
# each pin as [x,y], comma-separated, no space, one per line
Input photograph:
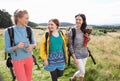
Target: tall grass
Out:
[104,48]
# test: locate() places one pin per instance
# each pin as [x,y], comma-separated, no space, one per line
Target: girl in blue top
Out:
[21,56]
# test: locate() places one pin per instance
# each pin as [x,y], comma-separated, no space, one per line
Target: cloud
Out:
[96,11]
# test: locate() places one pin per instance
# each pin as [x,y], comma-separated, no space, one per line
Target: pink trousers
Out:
[23,69]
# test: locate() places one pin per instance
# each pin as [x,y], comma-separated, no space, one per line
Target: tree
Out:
[32,24]
[5,19]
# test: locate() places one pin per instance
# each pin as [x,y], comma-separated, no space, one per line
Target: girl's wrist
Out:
[15,47]
[33,46]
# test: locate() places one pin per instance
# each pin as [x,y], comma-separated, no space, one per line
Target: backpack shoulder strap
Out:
[73,34]
[61,32]
[11,35]
[29,33]
[46,36]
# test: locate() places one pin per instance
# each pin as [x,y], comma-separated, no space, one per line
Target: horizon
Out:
[98,12]
[87,24]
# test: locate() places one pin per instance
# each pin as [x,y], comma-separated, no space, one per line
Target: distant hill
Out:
[43,24]
[67,24]
[61,24]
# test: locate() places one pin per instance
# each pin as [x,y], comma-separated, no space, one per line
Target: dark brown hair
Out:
[18,14]
[83,27]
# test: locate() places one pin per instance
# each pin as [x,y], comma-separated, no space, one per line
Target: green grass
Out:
[105,50]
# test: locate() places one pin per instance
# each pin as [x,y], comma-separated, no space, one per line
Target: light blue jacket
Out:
[20,35]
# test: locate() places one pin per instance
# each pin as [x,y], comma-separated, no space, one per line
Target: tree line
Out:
[5,20]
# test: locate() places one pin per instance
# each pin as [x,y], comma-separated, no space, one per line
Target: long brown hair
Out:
[83,27]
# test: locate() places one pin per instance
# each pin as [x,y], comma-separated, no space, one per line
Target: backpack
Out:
[8,60]
[73,38]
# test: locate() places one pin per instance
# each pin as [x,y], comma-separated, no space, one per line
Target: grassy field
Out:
[104,48]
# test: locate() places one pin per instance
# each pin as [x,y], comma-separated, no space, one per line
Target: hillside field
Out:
[104,48]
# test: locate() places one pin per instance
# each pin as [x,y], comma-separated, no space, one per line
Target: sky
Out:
[98,12]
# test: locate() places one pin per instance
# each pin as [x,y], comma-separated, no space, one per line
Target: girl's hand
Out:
[87,35]
[21,45]
[76,61]
[30,48]
[46,62]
